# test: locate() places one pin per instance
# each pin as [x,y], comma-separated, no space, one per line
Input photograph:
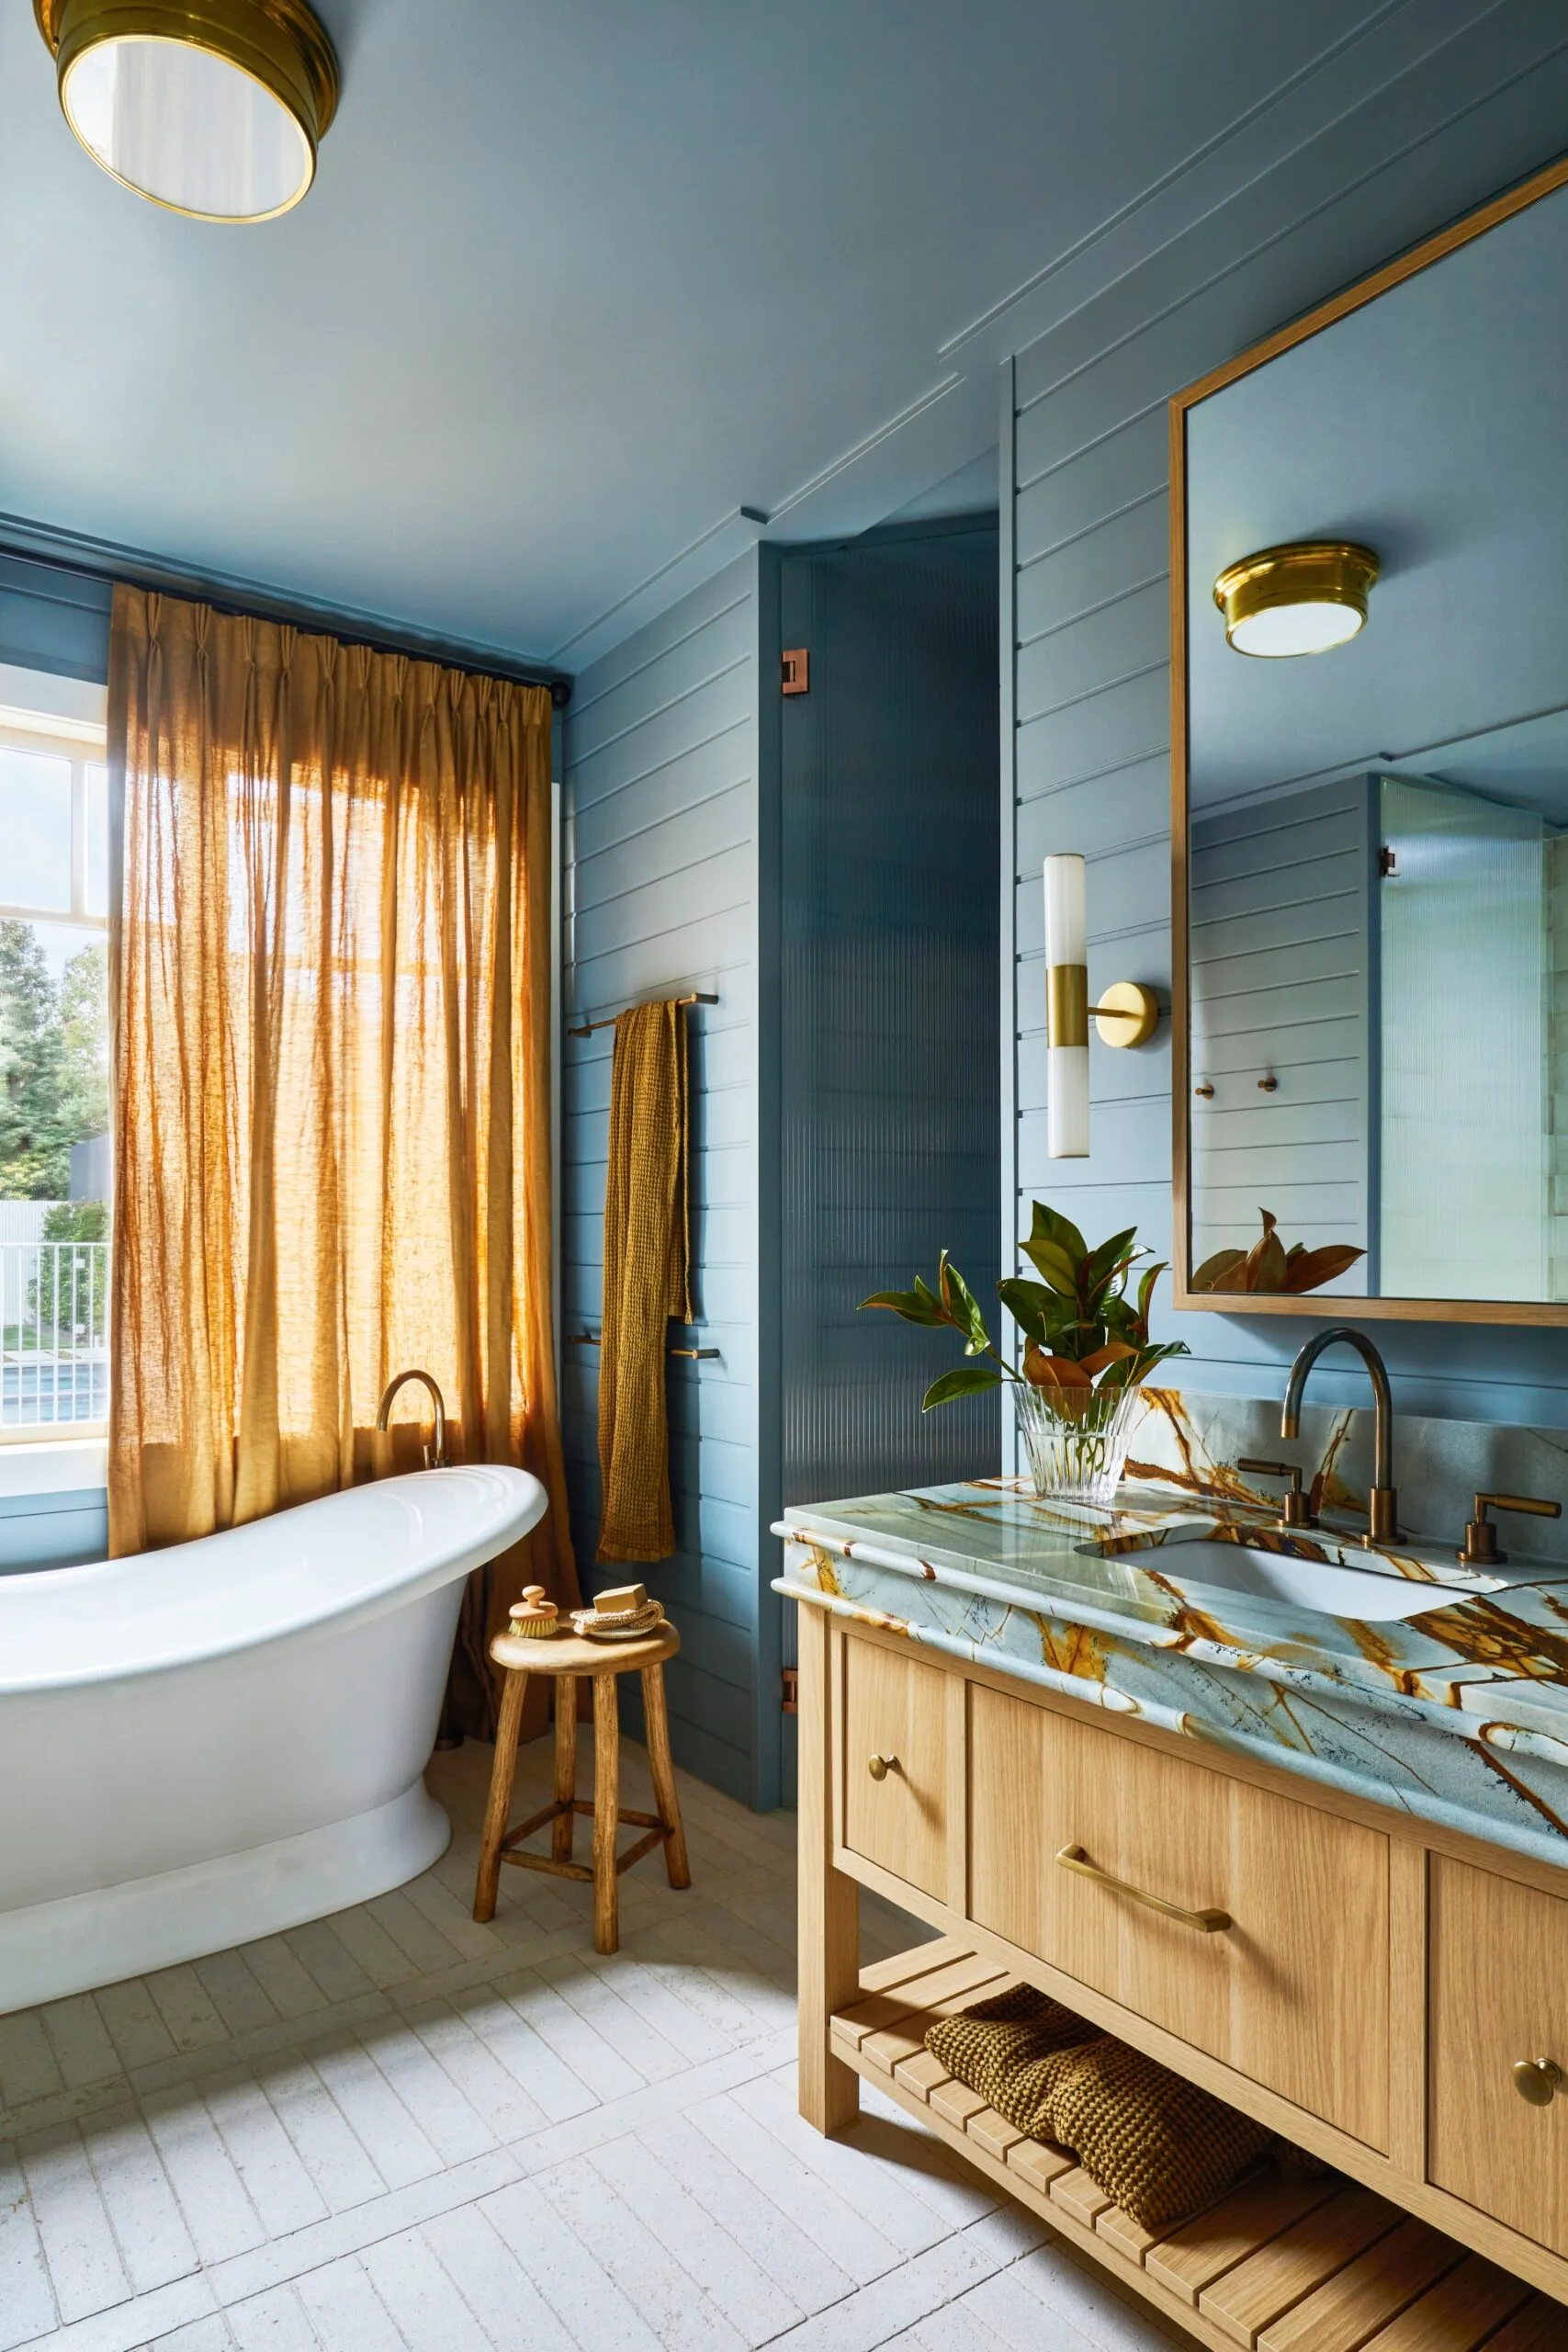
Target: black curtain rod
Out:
[94,560]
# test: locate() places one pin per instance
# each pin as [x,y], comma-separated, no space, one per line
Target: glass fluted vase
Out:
[1077,1444]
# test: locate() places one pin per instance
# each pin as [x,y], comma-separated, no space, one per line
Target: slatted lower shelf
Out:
[1280,2265]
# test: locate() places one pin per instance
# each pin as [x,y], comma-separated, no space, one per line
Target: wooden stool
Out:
[566,1657]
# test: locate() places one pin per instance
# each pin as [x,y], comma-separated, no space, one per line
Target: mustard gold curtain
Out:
[330,989]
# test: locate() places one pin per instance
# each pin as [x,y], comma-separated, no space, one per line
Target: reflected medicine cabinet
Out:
[1371,974]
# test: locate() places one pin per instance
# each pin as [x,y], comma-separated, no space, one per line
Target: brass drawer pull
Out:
[880,1766]
[1537,2079]
[1208,1923]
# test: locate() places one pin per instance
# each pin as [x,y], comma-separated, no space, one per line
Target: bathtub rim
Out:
[330,1619]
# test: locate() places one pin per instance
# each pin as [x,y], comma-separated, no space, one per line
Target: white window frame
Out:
[85,743]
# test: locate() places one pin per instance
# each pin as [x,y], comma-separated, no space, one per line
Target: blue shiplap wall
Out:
[1084,425]
[661,850]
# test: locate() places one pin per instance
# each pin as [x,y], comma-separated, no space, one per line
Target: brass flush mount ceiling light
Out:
[211,107]
[1303,599]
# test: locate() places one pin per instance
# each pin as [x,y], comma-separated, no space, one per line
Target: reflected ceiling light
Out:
[1301,599]
[211,107]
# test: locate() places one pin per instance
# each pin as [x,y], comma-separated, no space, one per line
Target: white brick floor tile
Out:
[275,2322]
[510,2309]
[154,2244]
[263,2155]
[80,2041]
[209,2334]
[186,2008]
[28,2069]
[217,2213]
[345,2310]
[396,2129]
[134,2026]
[588,2305]
[26,2301]
[340,2171]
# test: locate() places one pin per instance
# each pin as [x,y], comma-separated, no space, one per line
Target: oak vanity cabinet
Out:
[1371,1987]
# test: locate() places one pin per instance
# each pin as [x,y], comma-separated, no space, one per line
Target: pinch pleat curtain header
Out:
[330,993]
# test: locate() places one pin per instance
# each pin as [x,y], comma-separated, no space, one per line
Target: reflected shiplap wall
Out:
[660,865]
[1084,428]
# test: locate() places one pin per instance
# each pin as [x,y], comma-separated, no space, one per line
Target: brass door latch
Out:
[1479,1535]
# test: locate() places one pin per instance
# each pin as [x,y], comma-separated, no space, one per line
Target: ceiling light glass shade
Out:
[1290,600]
[1067,1009]
[212,108]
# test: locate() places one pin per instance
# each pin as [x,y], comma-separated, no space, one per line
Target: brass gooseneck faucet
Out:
[1383,1503]
[435,1455]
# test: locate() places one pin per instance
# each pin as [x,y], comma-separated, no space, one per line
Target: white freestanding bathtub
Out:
[207,1744]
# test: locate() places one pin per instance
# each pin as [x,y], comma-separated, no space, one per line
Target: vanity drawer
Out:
[1498,1993]
[893,1760]
[1293,1993]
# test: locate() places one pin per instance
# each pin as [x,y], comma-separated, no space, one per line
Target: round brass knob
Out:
[880,1766]
[1536,2079]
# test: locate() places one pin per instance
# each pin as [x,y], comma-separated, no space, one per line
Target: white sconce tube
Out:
[1066,1008]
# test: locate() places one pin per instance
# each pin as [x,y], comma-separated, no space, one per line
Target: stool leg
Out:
[501,1777]
[607,1803]
[661,1765]
[566,1765]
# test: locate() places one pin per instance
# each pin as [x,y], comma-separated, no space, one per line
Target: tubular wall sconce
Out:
[1127,1015]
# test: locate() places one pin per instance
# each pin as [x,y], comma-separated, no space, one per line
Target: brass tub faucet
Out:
[435,1455]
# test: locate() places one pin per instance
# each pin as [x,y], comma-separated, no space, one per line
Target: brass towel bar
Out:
[586,1028]
[591,1340]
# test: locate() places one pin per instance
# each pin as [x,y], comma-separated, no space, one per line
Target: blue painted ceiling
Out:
[578,284]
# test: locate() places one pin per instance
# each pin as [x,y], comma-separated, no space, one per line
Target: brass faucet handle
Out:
[1479,1535]
[1295,1511]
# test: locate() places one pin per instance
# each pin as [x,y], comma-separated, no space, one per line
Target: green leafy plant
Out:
[1084,1336]
[1270,1266]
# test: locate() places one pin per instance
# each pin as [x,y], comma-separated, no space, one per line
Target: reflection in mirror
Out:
[1378,833]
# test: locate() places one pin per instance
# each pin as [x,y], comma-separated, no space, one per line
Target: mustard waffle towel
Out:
[646,1277]
[1159,2146]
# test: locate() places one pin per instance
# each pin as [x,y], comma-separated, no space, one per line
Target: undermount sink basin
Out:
[1375,1596]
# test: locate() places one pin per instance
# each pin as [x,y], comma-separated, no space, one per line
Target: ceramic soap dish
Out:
[627,1614]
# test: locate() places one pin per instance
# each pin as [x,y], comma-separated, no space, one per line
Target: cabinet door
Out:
[893,1763]
[1292,1993]
[1499,1996]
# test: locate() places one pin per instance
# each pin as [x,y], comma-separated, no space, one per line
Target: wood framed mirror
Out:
[1369,774]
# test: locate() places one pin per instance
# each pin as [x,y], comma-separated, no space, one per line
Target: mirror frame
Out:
[1335,1304]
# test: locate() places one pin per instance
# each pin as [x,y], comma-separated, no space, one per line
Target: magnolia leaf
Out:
[1052,1263]
[1050,1225]
[1031,1305]
[1054,1371]
[963,1307]
[1114,1351]
[1112,1258]
[1210,1274]
[963,1380]
[908,1304]
[1266,1262]
[1236,1277]
[1315,1267]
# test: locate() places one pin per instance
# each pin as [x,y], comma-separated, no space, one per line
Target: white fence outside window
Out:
[54,1365]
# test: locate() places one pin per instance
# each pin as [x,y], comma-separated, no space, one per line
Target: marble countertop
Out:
[1492,1661]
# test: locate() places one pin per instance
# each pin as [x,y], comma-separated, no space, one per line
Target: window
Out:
[55,1190]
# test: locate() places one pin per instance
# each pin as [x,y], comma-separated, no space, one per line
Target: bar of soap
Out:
[622,1597]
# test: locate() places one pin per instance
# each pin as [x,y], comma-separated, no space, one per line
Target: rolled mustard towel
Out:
[646,1277]
[1156,2145]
